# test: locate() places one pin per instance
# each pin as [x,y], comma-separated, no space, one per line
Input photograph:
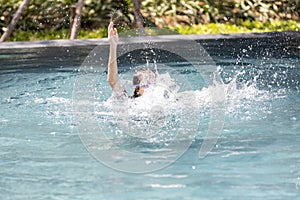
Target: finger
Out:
[111,32]
[110,26]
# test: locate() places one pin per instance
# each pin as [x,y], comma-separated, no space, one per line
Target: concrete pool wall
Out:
[67,53]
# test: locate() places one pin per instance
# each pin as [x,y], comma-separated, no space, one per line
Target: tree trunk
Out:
[138,16]
[77,19]
[14,21]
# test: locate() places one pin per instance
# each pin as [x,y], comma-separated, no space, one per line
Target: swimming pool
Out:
[255,157]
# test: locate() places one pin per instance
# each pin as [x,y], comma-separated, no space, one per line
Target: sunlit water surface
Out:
[256,156]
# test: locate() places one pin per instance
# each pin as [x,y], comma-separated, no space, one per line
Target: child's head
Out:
[142,79]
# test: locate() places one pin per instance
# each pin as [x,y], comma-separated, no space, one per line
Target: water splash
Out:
[246,99]
[115,16]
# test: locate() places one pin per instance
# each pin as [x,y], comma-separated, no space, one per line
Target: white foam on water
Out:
[162,103]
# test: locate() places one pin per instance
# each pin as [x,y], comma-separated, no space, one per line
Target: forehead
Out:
[137,78]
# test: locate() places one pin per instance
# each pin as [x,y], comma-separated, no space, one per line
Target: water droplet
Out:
[53,133]
[148,162]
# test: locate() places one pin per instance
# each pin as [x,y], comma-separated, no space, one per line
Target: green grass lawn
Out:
[213,28]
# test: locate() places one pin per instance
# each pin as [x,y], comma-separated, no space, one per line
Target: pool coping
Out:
[161,38]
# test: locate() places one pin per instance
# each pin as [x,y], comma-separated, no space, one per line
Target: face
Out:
[139,88]
[141,80]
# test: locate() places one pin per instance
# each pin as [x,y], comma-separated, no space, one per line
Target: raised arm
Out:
[112,76]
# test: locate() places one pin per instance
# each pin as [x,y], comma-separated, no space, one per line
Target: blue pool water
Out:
[256,156]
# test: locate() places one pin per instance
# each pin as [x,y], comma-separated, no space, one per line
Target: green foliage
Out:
[187,12]
[58,14]
[51,19]
[99,12]
[244,27]
[39,14]
[212,28]
[97,33]
[31,35]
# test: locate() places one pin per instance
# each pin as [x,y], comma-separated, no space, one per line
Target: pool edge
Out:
[161,38]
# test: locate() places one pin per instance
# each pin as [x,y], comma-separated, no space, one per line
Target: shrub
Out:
[244,27]
[187,12]
[57,14]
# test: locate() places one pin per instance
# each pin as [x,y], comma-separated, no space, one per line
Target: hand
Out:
[112,34]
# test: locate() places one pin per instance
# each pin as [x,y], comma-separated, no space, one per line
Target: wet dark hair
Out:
[135,92]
